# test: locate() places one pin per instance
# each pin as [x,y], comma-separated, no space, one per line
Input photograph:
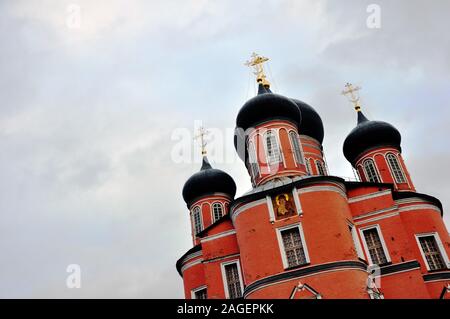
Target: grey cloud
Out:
[86,121]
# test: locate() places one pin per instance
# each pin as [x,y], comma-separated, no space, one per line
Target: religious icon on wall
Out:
[283,206]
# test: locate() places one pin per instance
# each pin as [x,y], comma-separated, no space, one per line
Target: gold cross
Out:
[201,135]
[257,62]
[350,91]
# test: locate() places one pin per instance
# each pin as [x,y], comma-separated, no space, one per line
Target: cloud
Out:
[87,115]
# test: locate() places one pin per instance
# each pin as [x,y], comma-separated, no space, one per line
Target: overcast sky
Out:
[88,114]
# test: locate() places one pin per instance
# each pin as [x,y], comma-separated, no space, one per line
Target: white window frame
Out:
[253,156]
[301,160]
[308,166]
[297,202]
[375,168]
[440,247]
[383,243]
[280,155]
[193,220]
[213,219]
[391,169]
[224,276]
[319,162]
[193,291]
[281,244]
[356,241]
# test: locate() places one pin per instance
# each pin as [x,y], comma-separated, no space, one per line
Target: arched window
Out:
[395,168]
[253,162]
[217,211]
[272,148]
[197,219]
[371,171]
[320,168]
[296,147]
[308,166]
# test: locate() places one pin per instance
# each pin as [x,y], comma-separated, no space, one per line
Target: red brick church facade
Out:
[303,233]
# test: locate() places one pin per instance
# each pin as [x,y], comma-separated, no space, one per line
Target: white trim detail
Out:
[383,243]
[304,276]
[335,189]
[356,242]
[191,264]
[244,207]
[200,212]
[418,207]
[270,208]
[295,194]
[375,168]
[224,277]
[375,212]
[440,246]
[191,256]
[281,245]
[219,235]
[211,208]
[195,290]
[369,196]
[220,258]
[410,200]
[376,218]
[392,170]
[272,160]
[299,158]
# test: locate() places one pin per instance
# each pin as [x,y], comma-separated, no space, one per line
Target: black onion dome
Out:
[368,135]
[208,181]
[267,106]
[311,124]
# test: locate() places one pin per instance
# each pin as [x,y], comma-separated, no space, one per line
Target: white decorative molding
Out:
[219,235]
[419,207]
[369,196]
[220,258]
[270,208]
[376,212]
[244,207]
[336,189]
[191,264]
[295,194]
[376,218]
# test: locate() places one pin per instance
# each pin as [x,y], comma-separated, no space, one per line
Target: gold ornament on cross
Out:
[352,94]
[201,136]
[256,62]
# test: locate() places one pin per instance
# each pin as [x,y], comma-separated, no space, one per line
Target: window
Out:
[371,172]
[293,246]
[320,168]
[375,247]
[217,211]
[200,293]
[253,162]
[308,167]
[431,252]
[296,147]
[232,280]
[272,148]
[395,168]
[197,219]
[356,242]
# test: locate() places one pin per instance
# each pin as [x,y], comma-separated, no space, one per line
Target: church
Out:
[302,233]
